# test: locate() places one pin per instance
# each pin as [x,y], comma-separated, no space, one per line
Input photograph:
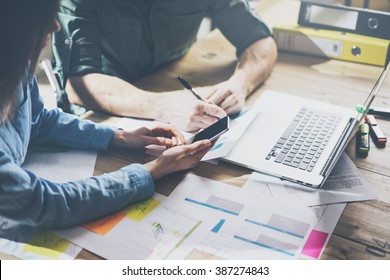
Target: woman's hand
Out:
[178,158]
[156,133]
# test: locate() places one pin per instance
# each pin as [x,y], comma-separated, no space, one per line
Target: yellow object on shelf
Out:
[332,44]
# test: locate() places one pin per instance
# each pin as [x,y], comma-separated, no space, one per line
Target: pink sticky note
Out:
[314,243]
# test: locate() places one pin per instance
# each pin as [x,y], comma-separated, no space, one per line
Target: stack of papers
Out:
[206,219]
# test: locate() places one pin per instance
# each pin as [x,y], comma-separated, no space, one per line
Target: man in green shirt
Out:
[104,46]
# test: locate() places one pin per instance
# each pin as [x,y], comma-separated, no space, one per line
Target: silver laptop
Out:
[298,139]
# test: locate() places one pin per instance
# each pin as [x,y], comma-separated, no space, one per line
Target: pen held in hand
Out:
[189,88]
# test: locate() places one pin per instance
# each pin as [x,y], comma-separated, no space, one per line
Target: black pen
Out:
[189,87]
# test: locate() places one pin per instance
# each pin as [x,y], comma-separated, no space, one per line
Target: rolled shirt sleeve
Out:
[77,46]
[238,23]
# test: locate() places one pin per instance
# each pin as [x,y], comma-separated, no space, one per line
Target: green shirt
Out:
[128,38]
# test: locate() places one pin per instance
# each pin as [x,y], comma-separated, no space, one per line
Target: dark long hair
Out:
[24,25]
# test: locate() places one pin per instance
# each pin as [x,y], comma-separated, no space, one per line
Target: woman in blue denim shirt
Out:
[28,199]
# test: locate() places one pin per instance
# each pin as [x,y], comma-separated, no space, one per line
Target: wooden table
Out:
[363,231]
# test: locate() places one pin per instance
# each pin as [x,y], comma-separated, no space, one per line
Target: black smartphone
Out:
[212,132]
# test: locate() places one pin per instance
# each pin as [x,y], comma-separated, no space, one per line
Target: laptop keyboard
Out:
[305,139]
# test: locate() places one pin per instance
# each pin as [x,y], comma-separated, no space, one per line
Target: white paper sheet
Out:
[67,165]
[345,184]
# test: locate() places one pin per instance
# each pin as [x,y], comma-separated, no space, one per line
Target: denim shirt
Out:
[127,39]
[28,199]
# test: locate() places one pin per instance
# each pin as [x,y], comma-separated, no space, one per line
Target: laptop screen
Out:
[370,98]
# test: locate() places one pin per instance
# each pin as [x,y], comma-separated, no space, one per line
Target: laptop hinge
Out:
[339,147]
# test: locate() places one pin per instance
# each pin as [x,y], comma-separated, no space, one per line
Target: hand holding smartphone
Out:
[212,132]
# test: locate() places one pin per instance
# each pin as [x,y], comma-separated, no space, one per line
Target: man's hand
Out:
[229,95]
[187,112]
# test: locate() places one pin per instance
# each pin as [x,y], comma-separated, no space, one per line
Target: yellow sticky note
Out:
[47,244]
[140,210]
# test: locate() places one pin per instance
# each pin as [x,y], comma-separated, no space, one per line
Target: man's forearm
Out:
[255,64]
[113,95]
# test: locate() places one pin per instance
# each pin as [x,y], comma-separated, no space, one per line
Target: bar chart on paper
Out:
[254,226]
[217,203]
[152,229]
[259,236]
[288,229]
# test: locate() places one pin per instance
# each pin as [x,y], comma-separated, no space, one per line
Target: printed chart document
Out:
[223,145]
[345,184]
[157,228]
[257,226]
